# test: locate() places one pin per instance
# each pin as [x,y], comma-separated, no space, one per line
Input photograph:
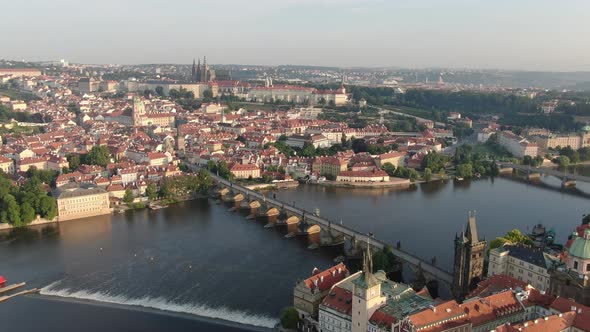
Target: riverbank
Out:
[397,183]
[38,221]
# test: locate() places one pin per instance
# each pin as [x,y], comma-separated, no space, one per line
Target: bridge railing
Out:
[404,255]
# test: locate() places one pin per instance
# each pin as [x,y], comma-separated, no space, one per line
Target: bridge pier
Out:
[533,176]
[506,170]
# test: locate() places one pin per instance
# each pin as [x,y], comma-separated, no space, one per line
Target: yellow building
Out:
[6,165]
[74,202]
[245,171]
[575,141]
[329,166]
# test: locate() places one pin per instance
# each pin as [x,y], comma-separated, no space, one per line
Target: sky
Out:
[551,35]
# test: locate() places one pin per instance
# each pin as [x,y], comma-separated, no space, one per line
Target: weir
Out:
[336,231]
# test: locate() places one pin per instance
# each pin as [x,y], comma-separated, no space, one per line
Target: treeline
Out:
[179,186]
[19,205]
[469,163]
[7,114]
[98,155]
[358,145]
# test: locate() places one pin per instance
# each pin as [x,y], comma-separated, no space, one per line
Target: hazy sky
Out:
[509,34]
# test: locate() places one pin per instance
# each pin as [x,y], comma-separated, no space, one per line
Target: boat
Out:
[458,178]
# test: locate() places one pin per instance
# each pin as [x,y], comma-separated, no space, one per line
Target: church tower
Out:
[138,111]
[197,75]
[469,259]
[193,71]
[204,71]
[180,142]
[366,297]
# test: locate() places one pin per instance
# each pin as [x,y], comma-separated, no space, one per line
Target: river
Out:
[198,258]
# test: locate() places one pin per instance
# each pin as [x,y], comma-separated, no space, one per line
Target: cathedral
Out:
[469,259]
[202,73]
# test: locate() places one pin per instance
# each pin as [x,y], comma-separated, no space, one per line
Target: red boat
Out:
[2,281]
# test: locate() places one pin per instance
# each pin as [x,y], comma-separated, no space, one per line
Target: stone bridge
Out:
[293,213]
[567,179]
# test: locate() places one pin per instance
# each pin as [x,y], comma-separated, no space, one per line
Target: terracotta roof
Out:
[495,284]
[582,320]
[381,318]
[554,323]
[339,299]
[439,313]
[364,174]
[491,307]
[324,280]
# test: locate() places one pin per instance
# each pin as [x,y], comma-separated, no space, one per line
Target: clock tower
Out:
[366,297]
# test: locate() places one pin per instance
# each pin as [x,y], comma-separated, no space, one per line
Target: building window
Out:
[575,265]
[588,267]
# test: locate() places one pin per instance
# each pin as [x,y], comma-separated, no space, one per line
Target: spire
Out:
[471,231]
[197,77]
[368,276]
[193,72]
[204,75]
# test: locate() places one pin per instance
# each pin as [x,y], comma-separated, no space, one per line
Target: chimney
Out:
[321,278]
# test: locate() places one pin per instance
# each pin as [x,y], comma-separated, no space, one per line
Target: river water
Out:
[198,258]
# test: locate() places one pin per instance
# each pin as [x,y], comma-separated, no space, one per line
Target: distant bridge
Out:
[324,223]
[566,178]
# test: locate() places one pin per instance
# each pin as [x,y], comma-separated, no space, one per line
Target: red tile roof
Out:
[495,284]
[582,320]
[339,299]
[324,280]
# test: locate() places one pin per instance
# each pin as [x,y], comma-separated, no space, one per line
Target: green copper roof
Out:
[581,246]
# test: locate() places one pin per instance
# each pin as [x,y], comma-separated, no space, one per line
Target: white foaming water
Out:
[161,303]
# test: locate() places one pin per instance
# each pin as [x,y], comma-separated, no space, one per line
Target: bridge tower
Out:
[469,259]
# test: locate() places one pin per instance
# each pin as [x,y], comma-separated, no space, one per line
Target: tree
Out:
[12,209]
[434,160]
[465,170]
[27,213]
[563,161]
[204,181]
[207,94]
[159,91]
[98,155]
[412,174]
[151,191]
[289,318]
[388,168]
[427,174]
[128,197]
[184,167]
[74,161]
[47,207]
[512,237]
[308,150]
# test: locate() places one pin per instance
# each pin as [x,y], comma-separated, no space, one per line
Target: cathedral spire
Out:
[193,71]
[197,76]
